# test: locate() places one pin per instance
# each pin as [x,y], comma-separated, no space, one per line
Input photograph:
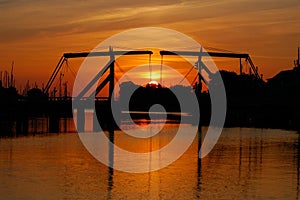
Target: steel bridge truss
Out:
[110,66]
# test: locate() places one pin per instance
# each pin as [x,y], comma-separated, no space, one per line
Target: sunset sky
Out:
[34,34]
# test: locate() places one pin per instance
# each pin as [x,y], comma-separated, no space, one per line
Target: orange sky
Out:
[34,34]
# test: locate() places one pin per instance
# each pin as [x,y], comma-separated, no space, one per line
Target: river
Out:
[246,163]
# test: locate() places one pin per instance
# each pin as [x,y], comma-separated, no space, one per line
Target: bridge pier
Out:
[22,124]
[80,119]
[53,123]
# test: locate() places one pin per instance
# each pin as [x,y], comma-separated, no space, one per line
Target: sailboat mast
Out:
[297,62]
[12,75]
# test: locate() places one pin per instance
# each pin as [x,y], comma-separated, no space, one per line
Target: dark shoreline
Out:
[16,120]
[250,103]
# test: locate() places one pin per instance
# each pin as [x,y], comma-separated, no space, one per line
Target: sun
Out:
[153,84]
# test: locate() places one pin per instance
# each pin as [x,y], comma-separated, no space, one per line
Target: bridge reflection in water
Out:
[246,163]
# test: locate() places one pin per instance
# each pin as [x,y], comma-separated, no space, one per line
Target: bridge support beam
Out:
[80,119]
[54,124]
[111,75]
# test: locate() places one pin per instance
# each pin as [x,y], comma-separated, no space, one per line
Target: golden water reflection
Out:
[246,163]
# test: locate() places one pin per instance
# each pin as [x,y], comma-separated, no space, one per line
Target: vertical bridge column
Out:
[198,94]
[80,119]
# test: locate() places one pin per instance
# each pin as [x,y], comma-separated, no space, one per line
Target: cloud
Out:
[269,28]
[24,19]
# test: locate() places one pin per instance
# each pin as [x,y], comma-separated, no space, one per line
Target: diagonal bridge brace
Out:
[109,65]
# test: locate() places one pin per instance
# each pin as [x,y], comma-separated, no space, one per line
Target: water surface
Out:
[246,163]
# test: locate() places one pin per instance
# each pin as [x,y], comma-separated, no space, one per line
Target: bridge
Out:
[107,75]
[199,65]
[252,108]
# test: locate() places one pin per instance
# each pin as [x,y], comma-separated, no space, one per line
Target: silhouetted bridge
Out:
[107,75]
